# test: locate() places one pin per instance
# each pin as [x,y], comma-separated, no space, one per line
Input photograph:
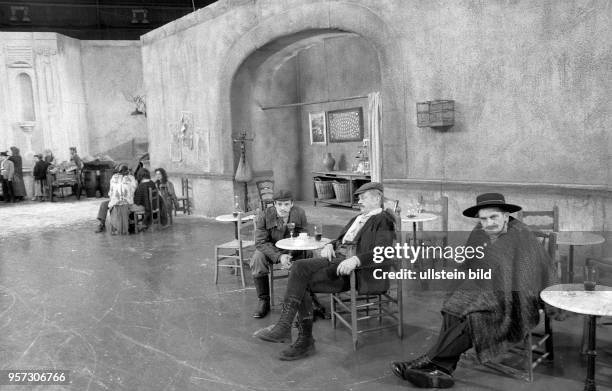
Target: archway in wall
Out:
[323,66]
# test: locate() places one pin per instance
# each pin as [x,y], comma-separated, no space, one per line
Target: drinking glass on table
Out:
[291,227]
[590,277]
[318,232]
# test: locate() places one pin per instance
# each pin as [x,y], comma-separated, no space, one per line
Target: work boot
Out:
[304,344]
[262,286]
[281,331]
[101,228]
[400,368]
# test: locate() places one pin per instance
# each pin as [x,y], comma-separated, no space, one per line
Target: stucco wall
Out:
[112,73]
[530,79]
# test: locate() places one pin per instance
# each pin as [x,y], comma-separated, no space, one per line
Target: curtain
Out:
[375,117]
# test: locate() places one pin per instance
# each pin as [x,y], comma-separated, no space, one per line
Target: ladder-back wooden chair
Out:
[184,201]
[537,346]
[540,220]
[265,189]
[154,201]
[353,308]
[236,250]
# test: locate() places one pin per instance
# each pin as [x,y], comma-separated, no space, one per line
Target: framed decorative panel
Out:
[345,125]
[318,134]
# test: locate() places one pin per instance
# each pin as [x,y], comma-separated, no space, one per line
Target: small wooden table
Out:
[573,297]
[576,239]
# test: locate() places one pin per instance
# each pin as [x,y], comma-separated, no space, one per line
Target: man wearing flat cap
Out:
[489,315]
[330,273]
[7,172]
[270,227]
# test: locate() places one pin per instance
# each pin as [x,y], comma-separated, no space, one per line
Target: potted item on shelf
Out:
[329,162]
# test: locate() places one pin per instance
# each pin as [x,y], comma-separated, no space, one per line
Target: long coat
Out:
[18,185]
[378,231]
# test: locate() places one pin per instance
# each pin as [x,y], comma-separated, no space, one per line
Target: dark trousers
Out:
[454,339]
[311,275]
[103,211]
[7,191]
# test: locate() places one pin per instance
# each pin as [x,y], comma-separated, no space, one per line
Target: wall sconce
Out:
[436,114]
[25,14]
[139,15]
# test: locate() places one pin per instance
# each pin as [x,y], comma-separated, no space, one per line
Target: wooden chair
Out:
[534,218]
[265,189]
[184,201]
[235,250]
[352,307]
[155,208]
[536,347]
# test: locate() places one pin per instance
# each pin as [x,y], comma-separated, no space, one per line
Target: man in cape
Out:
[490,314]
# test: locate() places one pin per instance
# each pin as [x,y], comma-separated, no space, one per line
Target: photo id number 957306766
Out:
[32,377]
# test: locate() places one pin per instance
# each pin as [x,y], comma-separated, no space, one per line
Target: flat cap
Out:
[370,186]
[283,195]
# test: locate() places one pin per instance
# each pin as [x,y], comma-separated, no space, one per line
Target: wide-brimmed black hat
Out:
[490,200]
[4,153]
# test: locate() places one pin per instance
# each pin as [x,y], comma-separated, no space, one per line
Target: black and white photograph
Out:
[276,195]
[318,132]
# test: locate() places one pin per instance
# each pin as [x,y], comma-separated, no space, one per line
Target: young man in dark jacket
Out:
[270,227]
[330,274]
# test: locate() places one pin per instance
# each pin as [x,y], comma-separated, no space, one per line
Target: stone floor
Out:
[141,312]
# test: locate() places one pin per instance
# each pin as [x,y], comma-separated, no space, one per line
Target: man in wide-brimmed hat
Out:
[354,247]
[270,227]
[487,314]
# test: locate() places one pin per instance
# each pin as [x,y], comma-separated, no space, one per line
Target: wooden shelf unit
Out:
[354,179]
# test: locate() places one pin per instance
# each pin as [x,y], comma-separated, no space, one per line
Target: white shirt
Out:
[358,224]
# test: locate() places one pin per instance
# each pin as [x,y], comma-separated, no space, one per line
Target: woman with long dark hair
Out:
[19,189]
[166,190]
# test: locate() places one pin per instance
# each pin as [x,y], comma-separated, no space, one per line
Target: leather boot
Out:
[101,227]
[281,331]
[304,344]
[262,286]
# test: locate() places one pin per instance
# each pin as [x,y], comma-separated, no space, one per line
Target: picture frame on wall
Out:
[318,132]
[345,125]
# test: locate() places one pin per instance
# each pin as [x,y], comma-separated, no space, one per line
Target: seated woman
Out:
[166,191]
[121,194]
[141,197]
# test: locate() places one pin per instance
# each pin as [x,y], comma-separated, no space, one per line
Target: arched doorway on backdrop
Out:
[281,86]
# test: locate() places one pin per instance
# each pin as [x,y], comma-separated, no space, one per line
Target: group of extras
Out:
[11,176]
[488,315]
[11,171]
[129,195]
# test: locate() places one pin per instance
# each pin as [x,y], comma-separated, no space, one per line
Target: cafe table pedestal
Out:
[420,218]
[573,298]
[572,239]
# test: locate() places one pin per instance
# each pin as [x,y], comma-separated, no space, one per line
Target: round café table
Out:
[420,218]
[573,298]
[302,244]
[231,218]
[572,239]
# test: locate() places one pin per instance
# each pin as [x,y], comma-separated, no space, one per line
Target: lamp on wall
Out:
[139,101]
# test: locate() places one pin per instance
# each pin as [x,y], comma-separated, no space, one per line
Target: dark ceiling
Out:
[94,19]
